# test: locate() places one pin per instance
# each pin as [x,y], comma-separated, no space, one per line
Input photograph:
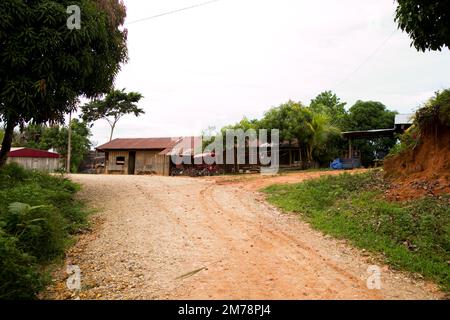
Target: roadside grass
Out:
[38,219]
[412,235]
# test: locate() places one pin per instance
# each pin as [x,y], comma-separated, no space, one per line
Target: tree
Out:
[55,137]
[45,66]
[369,115]
[281,118]
[292,120]
[320,132]
[29,136]
[112,108]
[328,102]
[426,22]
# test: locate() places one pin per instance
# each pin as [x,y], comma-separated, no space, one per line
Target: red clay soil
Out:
[422,171]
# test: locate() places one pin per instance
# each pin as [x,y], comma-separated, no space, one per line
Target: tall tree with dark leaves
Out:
[45,66]
[329,103]
[370,115]
[426,21]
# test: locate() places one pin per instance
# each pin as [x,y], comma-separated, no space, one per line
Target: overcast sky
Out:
[214,64]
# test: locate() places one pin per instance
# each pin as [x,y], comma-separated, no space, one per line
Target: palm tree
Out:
[321,129]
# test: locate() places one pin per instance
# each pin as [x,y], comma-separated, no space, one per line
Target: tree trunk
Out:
[112,132]
[7,141]
[69,144]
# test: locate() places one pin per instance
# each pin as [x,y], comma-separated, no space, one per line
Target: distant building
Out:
[142,156]
[403,122]
[34,159]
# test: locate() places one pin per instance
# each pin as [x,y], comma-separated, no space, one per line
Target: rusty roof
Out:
[138,144]
[183,146]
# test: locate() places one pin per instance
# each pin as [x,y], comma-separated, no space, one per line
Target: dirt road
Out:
[183,238]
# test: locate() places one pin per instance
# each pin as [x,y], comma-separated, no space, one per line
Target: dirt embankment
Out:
[424,170]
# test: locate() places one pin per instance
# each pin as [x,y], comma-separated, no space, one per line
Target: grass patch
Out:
[412,235]
[38,217]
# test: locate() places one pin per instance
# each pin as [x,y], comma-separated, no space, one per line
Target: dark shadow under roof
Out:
[369,133]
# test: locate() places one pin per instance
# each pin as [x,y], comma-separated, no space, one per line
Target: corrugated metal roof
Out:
[138,144]
[404,119]
[31,153]
[369,133]
[183,146]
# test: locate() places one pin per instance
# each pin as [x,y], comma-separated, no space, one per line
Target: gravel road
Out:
[184,238]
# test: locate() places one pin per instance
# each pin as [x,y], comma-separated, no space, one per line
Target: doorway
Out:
[131,162]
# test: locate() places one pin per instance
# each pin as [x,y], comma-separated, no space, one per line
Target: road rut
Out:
[185,238]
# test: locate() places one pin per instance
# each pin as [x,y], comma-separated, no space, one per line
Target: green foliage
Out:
[55,137]
[368,115]
[45,67]
[316,129]
[408,141]
[434,114]
[436,111]
[321,130]
[29,136]
[426,22]
[19,274]
[113,107]
[306,127]
[291,119]
[328,103]
[38,214]
[413,235]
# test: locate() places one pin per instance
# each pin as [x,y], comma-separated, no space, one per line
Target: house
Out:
[145,155]
[34,159]
[402,123]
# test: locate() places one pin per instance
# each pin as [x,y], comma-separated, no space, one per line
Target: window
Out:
[120,160]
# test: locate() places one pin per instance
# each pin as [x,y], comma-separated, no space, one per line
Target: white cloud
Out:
[214,64]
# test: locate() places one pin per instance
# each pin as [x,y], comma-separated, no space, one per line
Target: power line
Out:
[172,12]
[366,60]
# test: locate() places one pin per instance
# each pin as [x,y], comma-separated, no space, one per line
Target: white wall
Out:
[40,164]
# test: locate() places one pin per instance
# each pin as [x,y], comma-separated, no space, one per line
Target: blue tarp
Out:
[337,165]
[345,164]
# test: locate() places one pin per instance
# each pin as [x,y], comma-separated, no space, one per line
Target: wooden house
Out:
[141,156]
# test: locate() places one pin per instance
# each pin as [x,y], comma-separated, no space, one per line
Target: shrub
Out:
[18,273]
[38,214]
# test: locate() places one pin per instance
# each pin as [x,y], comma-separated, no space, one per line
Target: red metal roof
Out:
[138,144]
[31,153]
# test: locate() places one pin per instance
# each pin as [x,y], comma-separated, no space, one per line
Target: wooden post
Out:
[69,144]
[350,151]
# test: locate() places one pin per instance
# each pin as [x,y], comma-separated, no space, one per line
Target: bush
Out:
[38,214]
[435,111]
[18,272]
[433,115]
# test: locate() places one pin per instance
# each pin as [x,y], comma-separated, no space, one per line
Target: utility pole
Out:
[69,144]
